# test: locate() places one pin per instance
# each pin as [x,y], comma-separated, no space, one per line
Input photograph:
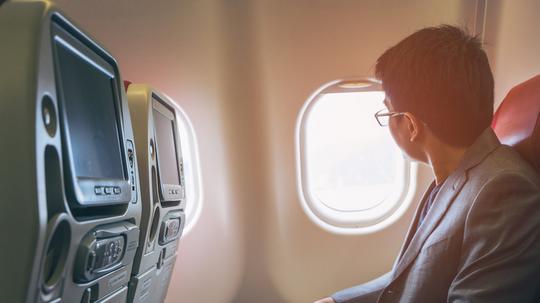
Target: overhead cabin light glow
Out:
[355,84]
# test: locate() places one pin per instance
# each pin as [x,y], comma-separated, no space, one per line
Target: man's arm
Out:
[364,293]
[501,244]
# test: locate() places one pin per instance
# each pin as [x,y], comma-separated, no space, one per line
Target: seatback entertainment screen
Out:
[92,133]
[91,116]
[168,152]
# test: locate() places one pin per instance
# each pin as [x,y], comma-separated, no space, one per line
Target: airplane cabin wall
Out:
[242,70]
[513,42]
[301,46]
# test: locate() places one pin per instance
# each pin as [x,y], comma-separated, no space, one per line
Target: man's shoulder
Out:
[503,162]
[502,175]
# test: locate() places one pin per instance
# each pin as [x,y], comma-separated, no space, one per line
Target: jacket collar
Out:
[486,143]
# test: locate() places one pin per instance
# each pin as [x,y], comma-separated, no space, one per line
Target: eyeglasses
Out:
[383,116]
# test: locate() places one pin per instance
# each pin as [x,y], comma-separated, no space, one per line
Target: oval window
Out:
[192,172]
[352,176]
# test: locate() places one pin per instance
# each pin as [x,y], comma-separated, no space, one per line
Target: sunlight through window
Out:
[352,172]
[352,162]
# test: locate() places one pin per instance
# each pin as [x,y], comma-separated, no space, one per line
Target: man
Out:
[475,236]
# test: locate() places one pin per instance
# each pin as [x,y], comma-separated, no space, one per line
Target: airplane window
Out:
[353,177]
[192,170]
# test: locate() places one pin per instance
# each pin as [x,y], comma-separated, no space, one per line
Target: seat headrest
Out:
[516,121]
[126,85]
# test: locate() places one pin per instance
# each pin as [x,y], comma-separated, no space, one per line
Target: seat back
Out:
[517,123]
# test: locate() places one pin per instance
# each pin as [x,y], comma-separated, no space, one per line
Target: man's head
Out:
[440,77]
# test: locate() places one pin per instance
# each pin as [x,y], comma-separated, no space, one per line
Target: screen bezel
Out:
[81,190]
[168,192]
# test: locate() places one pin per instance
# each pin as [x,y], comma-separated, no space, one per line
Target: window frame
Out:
[192,170]
[340,221]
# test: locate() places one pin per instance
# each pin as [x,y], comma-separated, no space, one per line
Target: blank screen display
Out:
[166,150]
[89,102]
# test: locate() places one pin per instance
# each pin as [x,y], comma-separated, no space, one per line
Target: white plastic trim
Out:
[192,170]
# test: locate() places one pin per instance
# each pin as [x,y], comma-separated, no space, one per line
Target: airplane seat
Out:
[516,122]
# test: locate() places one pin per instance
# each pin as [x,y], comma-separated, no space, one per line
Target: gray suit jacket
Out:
[480,241]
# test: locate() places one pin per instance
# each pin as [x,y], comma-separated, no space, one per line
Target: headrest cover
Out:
[126,85]
[516,121]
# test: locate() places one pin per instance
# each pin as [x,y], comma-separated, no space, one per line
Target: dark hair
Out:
[441,75]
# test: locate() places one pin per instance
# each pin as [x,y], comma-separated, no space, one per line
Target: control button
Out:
[116,190]
[108,252]
[98,190]
[131,158]
[108,190]
[112,250]
[48,114]
[117,249]
[171,229]
[152,148]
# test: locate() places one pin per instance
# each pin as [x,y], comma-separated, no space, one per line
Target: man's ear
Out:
[413,126]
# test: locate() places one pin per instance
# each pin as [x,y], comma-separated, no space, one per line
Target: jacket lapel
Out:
[414,225]
[417,236]
[444,198]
